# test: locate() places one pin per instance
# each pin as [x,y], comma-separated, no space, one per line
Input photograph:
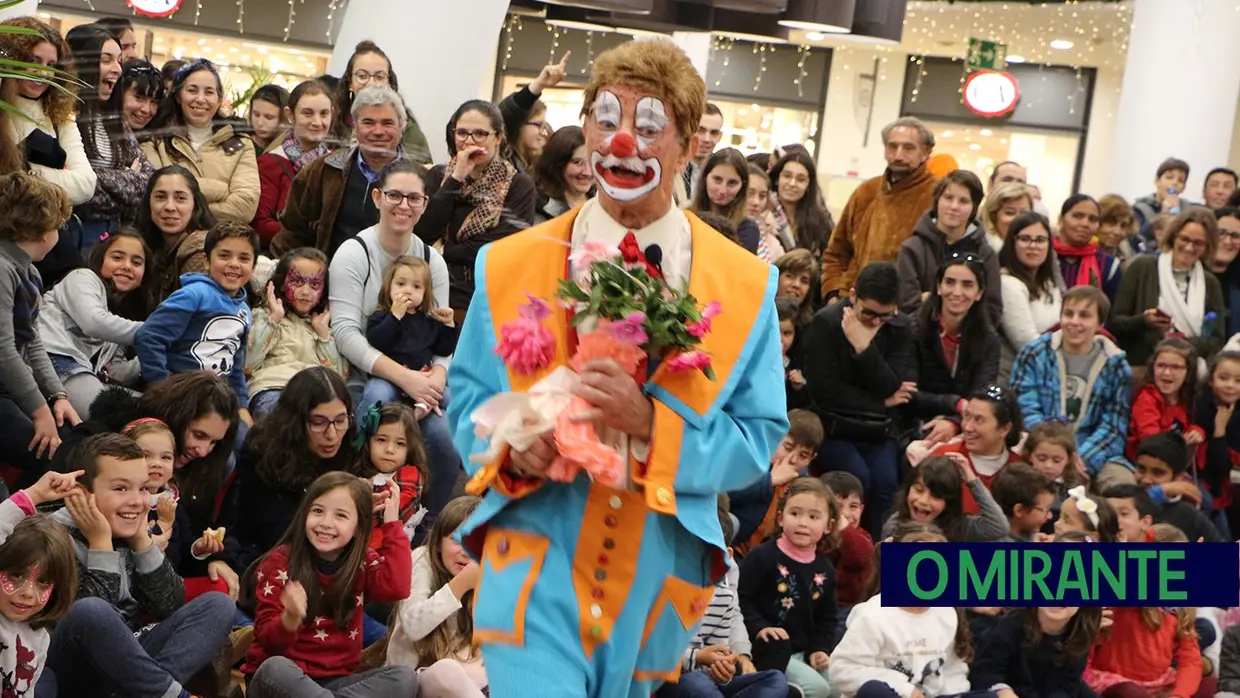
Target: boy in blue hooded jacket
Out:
[204,325]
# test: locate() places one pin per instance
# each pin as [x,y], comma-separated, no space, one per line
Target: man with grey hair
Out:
[330,199]
[883,211]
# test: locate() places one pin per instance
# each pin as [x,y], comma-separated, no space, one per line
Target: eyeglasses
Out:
[364,76]
[1033,240]
[1170,368]
[873,315]
[396,198]
[319,425]
[1229,234]
[1191,243]
[464,134]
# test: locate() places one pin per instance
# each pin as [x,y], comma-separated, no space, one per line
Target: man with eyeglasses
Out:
[1224,266]
[330,199]
[859,365]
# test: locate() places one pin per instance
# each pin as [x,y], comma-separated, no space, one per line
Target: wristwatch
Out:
[54,397]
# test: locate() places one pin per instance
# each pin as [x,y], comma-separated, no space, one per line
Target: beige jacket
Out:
[279,351]
[226,168]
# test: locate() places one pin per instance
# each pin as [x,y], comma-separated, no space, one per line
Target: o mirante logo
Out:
[1060,574]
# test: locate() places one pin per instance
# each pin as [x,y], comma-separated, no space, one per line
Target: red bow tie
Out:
[632,254]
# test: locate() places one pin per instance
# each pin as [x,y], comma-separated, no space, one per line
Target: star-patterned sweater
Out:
[321,648]
[777,591]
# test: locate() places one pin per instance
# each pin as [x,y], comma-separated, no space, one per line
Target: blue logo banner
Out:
[1060,574]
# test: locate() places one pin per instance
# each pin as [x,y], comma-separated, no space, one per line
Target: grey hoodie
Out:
[75,322]
[143,586]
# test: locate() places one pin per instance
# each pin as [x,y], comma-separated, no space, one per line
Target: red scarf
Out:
[1088,273]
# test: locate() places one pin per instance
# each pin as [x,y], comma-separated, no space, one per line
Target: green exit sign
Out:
[985,55]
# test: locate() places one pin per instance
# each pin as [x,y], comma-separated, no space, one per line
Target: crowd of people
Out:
[225,385]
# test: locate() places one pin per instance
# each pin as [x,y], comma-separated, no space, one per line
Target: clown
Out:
[589,590]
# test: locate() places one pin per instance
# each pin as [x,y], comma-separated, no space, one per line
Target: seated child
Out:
[787,589]
[786,310]
[894,652]
[407,326]
[130,631]
[159,448]
[1036,652]
[203,325]
[932,494]
[432,628]
[718,661]
[1134,509]
[854,559]
[1162,464]
[1148,652]
[1025,496]
[1089,514]
[1229,664]
[34,406]
[754,506]
[1050,448]
[391,451]
[292,329]
[37,574]
[310,590]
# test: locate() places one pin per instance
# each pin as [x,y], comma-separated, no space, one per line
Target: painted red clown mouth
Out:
[623,177]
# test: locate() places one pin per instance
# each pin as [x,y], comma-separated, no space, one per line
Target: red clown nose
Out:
[623,145]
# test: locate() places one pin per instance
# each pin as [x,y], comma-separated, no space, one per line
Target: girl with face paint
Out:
[292,329]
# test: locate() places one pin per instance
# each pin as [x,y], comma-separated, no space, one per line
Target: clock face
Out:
[991,93]
[155,8]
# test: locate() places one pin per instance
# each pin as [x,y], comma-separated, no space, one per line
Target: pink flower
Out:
[630,330]
[593,251]
[701,328]
[536,310]
[688,361]
[525,345]
[783,571]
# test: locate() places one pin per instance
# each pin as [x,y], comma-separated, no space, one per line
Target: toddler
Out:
[391,452]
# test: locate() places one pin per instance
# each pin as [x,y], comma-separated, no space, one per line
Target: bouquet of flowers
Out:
[629,315]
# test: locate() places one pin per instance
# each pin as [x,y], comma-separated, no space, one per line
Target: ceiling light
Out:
[1061,45]
[975,146]
[1015,59]
[815,36]
[829,16]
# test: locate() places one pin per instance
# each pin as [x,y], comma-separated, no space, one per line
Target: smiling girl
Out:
[726,176]
[1165,401]
[310,112]
[174,222]
[310,590]
[563,174]
[797,205]
[91,317]
[932,494]
[1029,284]
[787,588]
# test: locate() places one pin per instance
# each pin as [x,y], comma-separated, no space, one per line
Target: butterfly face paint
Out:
[303,287]
[635,149]
[23,594]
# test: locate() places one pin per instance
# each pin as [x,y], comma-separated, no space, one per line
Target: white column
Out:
[697,46]
[1181,83]
[442,51]
[26,8]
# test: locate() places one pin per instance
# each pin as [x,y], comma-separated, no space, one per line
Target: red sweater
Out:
[1152,414]
[275,180]
[854,560]
[1135,652]
[321,648]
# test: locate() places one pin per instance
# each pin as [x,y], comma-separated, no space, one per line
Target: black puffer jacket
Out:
[923,253]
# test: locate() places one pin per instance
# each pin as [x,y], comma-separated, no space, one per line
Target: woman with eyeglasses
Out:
[1003,204]
[141,89]
[1223,265]
[45,129]
[185,132]
[946,229]
[310,111]
[725,177]
[355,277]
[563,174]
[1081,261]
[120,166]
[1171,294]
[1032,293]
[525,117]
[477,198]
[367,67]
[957,348]
[800,215]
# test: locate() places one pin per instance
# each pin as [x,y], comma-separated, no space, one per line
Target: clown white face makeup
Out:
[633,142]
[623,173]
